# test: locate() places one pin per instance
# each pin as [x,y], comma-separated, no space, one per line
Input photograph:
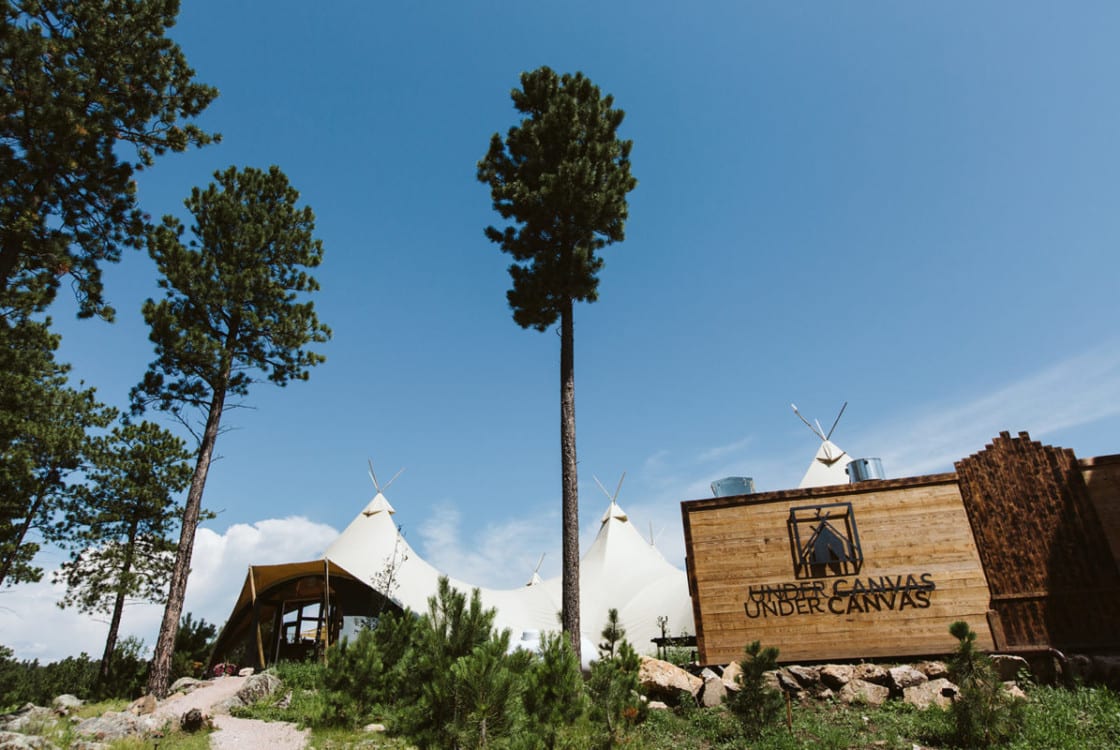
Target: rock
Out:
[285,701]
[731,674]
[788,684]
[867,693]
[807,677]
[665,681]
[143,706]
[935,670]
[1014,690]
[246,672]
[66,704]
[115,726]
[16,741]
[194,720]
[658,706]
[836,676]
[939,692]
[28,717]
[186,685]
[872,673]
[826,694]
[903,677]
[713,693]
[256,688]
[1008,667]
[374,728]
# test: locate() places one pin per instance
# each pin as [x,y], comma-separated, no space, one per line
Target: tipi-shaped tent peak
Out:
[379,504]
[614,511]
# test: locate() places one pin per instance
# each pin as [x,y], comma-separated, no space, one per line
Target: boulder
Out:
[1014,690]
[1008,667]
[256,688]
[666,681]
[17,741]
[658,706]
[194,720]
[66,704]
[374,728]
[935,670]
[867,693]
[713,693]
[143,706]
[903,677]
[836,676]
[807,677]
[115,726]
[787,683]
[872,673]
[28,717]
[731,674]
[939,692]
[186,685]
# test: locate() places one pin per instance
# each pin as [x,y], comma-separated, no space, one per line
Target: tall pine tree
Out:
[560,177]
[120,521]
[234,310]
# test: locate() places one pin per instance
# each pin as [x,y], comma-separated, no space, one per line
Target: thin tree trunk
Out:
[118,605]
[570,483]
[160,675]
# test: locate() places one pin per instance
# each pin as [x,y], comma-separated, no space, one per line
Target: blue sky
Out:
[908,207]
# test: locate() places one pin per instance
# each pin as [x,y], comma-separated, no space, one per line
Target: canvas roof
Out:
[620,569]
[827,468]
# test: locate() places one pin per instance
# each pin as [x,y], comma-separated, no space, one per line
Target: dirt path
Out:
[246,734]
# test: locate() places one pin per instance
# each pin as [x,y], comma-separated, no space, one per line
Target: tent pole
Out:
[327,612]
[256,618]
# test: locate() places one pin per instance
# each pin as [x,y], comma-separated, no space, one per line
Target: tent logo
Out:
[824,541]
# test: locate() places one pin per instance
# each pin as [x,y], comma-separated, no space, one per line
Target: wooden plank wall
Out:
[1052,572]
[1102,479]
[909,528]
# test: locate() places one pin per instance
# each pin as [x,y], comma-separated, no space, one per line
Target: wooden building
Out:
[1022,542]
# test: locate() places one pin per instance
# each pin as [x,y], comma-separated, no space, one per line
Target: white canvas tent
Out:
[829,467]
[620,570]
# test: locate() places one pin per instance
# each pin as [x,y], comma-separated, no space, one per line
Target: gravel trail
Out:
[246,734]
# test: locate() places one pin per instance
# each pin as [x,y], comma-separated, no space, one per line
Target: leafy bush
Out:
[985,713]
[757,705]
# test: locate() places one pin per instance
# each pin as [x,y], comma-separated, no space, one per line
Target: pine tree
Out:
[230,314]
[119,522]
[45,437]
[561,176]
[90,92]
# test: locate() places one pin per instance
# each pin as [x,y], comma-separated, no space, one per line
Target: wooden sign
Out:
[873,570]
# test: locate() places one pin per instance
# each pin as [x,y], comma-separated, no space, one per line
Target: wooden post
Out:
[256,617]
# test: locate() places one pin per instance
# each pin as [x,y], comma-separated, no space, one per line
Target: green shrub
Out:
[554,698]
[616,702]
[368,673]
[984,713]
[757,705]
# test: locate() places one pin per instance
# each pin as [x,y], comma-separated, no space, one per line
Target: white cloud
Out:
[499,555]
[35,628]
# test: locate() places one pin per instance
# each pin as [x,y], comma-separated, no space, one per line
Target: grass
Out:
[1054,718]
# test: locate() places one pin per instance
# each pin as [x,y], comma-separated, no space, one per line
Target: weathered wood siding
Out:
[1102,479]
[912,532]
[1050,566]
